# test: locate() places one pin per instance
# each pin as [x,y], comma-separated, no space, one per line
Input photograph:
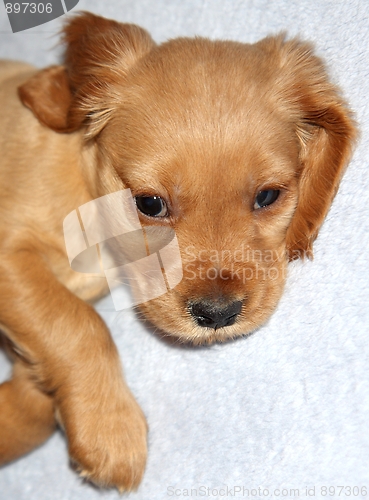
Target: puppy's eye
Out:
[153,206]
[265,198]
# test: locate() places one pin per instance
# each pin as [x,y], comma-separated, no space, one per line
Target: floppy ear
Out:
[99,53]
[48,95]
[326,133]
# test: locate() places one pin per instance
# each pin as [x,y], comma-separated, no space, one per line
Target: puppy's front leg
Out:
[73,357]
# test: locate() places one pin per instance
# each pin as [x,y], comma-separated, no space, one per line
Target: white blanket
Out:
[288,407]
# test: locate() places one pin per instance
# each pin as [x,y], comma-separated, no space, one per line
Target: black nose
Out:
[215,315]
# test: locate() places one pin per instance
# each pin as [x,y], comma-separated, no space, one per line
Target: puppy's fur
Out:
[204,125]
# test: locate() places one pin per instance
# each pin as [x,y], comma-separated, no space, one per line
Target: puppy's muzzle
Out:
[214,314]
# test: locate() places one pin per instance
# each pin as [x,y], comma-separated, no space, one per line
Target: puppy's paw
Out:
[108,445]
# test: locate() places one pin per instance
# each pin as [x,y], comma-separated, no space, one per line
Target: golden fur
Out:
[204,125]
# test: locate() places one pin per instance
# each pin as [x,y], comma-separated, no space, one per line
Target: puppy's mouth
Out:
[203,321]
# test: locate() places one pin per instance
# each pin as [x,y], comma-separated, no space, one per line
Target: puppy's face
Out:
[237,148]
[219,164]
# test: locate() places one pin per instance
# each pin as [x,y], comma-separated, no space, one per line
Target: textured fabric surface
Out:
[287,407]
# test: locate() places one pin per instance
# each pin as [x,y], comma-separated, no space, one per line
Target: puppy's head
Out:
[238,148]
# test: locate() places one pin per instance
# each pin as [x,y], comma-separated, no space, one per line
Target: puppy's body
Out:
[42,179]
[243,145]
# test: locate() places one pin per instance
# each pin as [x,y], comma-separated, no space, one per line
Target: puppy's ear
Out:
[48,95]
[326,133]
[99,54]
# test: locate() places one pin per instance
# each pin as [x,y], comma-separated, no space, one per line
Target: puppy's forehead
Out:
[201,78]
[193,105]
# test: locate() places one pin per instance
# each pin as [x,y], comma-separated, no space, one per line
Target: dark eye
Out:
[153,206]
[265,198]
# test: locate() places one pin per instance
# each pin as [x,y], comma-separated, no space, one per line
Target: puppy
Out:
[238,148]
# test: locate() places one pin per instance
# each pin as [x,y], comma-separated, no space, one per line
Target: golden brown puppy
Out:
[239,148]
